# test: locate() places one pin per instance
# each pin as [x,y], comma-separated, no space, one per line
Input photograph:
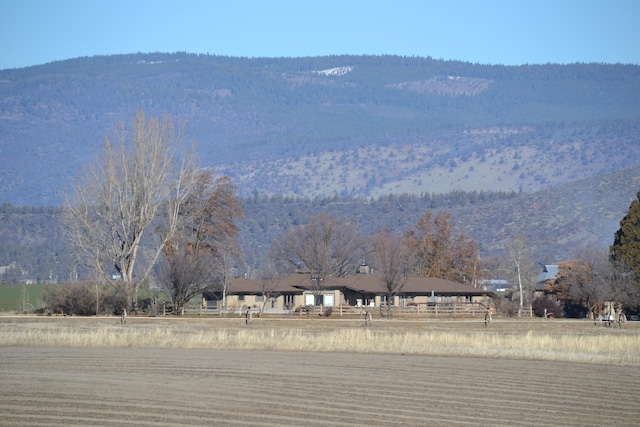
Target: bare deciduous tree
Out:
[116,201]
[224,272]
[326,246]
[183,276]
[390,258]
[199,255]
[592,279]
[269,277]
[439,250]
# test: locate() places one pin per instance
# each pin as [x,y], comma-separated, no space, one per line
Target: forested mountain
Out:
[321,126]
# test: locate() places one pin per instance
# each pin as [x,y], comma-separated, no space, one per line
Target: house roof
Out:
[242,285]
[370,283]
[549,272]
[363,283]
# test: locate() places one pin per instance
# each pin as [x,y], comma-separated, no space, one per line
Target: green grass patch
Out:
[14,297]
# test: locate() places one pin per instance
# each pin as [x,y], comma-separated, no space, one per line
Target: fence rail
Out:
[437,309]
[422,309]
[430,309]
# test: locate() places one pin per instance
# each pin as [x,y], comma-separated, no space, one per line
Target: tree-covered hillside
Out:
[259,117]
[557,222]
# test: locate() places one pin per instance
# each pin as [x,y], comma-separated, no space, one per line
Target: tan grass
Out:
[613,347]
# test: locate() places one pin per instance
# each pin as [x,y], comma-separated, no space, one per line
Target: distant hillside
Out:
[321,126]
[496,159]
[557,221]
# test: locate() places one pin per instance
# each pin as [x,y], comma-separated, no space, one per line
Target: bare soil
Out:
[147,386]
[162,386]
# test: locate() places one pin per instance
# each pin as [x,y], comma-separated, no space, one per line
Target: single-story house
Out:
[358,290]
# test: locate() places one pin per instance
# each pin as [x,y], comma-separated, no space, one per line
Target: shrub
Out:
[327,311]
[72,298]
[79,298]
[506,307]
[548,305]
[114,302]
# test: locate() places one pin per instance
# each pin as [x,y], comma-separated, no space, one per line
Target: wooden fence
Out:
[426,309]
[417,310]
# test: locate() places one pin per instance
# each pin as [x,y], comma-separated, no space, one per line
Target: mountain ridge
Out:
[379,138]
[268,121]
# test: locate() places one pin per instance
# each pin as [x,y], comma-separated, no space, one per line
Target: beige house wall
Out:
[245,301]
[291,301]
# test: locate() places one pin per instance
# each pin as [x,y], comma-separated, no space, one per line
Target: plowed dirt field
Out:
[161,386]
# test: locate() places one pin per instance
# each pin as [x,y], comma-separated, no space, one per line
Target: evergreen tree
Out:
[626,246]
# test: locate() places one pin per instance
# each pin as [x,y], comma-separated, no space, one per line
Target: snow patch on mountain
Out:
[338,71]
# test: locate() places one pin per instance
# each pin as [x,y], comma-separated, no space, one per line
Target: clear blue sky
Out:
[507,32]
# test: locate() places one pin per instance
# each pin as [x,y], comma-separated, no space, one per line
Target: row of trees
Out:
[435,247]
[144,210]
[332,246]
[585,284]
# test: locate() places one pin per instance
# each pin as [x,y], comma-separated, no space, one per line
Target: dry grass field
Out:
[273,372]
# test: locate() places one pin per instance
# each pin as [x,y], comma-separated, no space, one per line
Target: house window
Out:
[309,299]
[406,300]
[329,300]
[240,297]
[383,300]
[259,298]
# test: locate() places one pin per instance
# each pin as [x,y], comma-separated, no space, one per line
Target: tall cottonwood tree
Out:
[440,250]
[390,259]
[199,254]
[519,260]
[115,203]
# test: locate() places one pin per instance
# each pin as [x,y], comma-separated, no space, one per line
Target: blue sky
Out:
[510,32]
